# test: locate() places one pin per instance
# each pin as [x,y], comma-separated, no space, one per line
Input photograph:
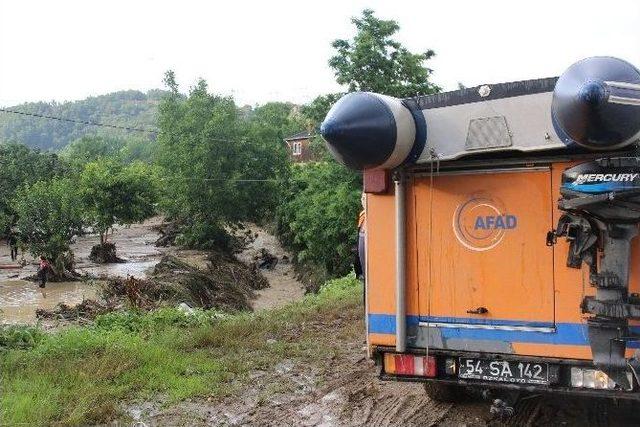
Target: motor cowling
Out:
[601,201]
[607,188]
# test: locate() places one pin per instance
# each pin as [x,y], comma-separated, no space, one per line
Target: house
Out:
[299,147]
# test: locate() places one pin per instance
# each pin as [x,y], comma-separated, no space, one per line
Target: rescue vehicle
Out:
[501,225]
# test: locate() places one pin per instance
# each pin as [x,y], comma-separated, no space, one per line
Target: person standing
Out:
[12,241]
[43,271]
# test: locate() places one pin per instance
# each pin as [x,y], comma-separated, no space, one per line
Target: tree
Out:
[318,213]
[315,111]
[19,166]
[112,193]
[220,167]
[374,61]
[91,148]
[49,216]
[266,155]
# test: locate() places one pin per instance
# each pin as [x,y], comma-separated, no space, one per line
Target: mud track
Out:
[342,389]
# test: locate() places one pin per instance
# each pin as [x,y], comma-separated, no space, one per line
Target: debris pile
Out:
[226,284]
[266,260]
[105,253]
[138,293]
[168,233]
[231,270]
[87,310]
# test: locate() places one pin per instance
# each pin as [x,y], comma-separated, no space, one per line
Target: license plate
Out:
[504,371]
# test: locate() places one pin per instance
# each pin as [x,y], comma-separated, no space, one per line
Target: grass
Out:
[79,375]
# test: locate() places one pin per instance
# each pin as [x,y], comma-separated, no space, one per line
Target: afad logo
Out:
[481,222]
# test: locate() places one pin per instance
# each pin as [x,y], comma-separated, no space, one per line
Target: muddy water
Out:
[283,285]
[20,298]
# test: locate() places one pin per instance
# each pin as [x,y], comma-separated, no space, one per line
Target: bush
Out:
[341,285]
[318,216]
[19,337]
[137,321]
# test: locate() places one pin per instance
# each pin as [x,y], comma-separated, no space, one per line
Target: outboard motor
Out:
[596,104]
[602,201]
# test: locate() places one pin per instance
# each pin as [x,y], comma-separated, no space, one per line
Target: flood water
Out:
[20,298]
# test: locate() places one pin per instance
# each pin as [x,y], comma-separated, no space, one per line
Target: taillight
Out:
[409,364]
[593,378]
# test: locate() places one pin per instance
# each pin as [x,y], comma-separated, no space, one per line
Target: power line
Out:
[89,123]
[82,122]
[178,178]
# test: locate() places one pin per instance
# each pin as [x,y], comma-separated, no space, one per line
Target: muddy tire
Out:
[439,392]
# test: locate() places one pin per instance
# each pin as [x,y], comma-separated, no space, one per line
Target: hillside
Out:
[129,108]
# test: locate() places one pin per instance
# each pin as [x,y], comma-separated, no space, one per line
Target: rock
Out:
[184,307]
[284,366]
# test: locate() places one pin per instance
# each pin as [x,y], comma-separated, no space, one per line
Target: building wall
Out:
[305,150]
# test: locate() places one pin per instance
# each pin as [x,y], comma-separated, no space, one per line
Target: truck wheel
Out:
[440,392]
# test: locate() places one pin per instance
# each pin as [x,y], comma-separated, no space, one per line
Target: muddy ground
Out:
[284,286]
[342,389]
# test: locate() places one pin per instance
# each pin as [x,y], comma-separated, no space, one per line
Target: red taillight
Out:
[409,364]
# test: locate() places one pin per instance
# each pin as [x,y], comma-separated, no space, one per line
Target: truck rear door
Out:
[482,253]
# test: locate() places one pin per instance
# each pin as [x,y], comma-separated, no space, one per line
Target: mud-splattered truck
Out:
[501,223]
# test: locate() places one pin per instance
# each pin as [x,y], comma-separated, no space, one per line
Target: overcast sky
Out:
[261,51]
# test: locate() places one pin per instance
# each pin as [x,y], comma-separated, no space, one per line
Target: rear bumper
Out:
[561,384]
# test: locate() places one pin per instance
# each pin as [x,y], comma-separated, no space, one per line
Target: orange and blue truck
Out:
[501,224]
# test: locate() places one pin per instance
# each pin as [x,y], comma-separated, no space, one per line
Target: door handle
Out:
[479,310]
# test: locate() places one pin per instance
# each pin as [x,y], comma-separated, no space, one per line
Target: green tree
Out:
[374,61]
[314,112]
[219,166]
[20,165]
[49,216]
[318,214]
[91,148]
[112,193]
[138,149]
[266,155]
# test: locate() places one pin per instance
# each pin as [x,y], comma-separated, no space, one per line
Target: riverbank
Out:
[94,374]
[301,364]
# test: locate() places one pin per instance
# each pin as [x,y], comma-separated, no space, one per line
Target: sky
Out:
[260,51]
